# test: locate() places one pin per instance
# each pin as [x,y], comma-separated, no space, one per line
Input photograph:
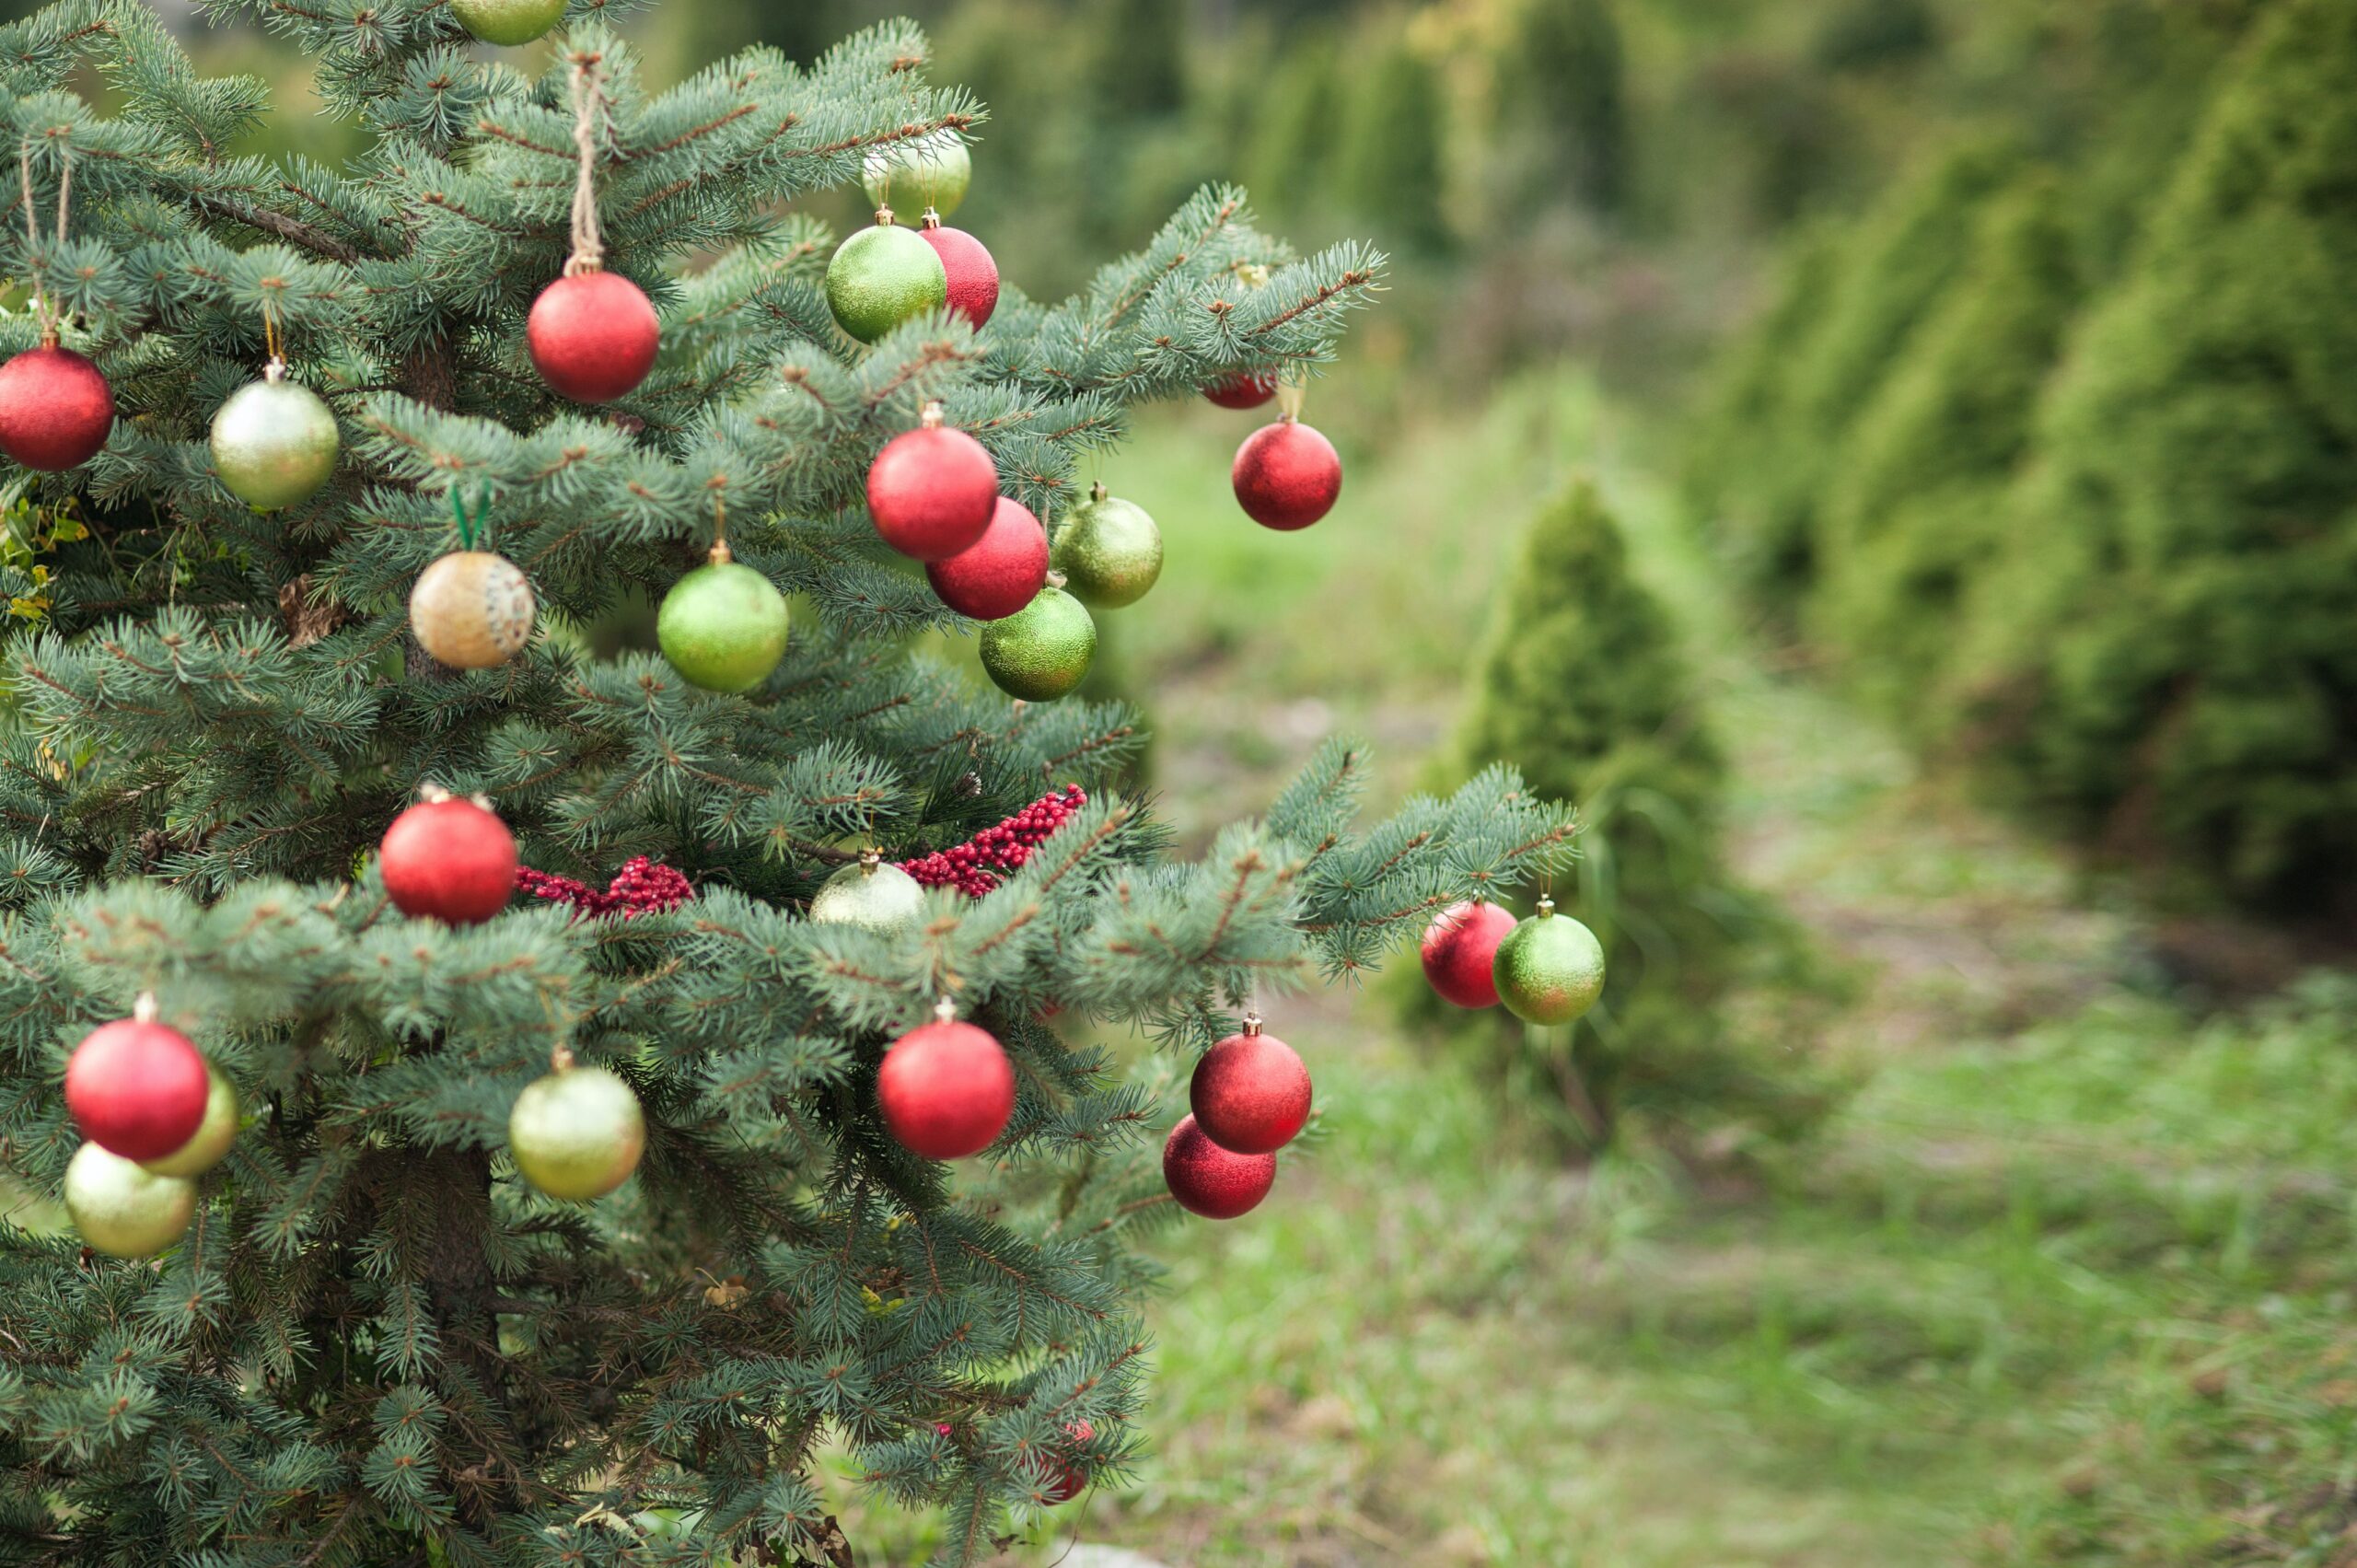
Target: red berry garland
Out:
[975,867]
[640,887]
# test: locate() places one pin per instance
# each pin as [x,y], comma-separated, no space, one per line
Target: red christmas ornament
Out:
[1287,475]
[1069,1479]
[593,336]
[57,411]
[1001,572]
[973,276]
[1251,1092]
[932,491]
[1216,1183]
[946,1089]
[136,1088]
[973,867]
[448,859]
[1458,948]
[1241,391]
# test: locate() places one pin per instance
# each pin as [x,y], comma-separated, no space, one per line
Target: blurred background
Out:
[1891,463]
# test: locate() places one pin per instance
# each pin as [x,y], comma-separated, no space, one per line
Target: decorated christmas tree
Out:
[469,1101]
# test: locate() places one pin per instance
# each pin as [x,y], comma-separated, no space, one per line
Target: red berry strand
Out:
[640,887]
[980,864]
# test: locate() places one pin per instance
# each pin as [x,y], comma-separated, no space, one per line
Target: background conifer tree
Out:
[376,1345]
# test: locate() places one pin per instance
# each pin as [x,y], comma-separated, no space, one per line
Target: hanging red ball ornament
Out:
[1251,1092]
[593,336]
[137,1088]
[1241,391]
[448,859]
[1458,948]
[973,275]
[946,1089]
[1068,1477]
[1287,475]
[1216,1183]
[57,411]
[998,573]
[933,491]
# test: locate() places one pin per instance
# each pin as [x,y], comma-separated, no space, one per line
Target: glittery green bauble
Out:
[1041,651]
[275,444]
[1549,969]
[210,1144]
[122,1210]
[723,626]
[1109,550]
[509,22]
[577,1133]
[880,898]
[932,171]
[882,276]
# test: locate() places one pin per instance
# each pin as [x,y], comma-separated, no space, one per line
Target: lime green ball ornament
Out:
[882,276]
[1041,651]
[274,442]
[723,626]
[1550,969]
[577,1133]
[507,22]
[931,171]
[124,1210]
[1109,550]
[210,1144]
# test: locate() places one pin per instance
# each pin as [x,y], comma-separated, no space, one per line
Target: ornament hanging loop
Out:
[721,554]
[588,102]
[471,521]
[1289,398]
[43,312]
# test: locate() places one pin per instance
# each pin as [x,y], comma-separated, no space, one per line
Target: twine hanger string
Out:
[43,311]
[589,102]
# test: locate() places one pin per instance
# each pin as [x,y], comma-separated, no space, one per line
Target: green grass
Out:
[2062,1281]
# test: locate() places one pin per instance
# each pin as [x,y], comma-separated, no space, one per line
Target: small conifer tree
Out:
[1389,168]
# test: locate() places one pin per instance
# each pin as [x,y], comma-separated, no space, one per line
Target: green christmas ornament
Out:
[1109,550]
[210,1145]
[1550,969]
[882,276]
[274,442]
[577,1132]
[124,1210]
[931,171]
[508,22]
[1041,651]
[872,895]
[723,626]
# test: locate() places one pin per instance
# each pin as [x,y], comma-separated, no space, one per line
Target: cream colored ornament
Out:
[472,609]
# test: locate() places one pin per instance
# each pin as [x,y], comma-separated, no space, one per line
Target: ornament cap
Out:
[944,1011]
[1251,1024]
[932,219]
[560,1058]
[143,1010]
[432,793]
[869,860]
[720,554]
[1056,579]
[1097,492]
[883,217]
[1546,907]
[933,417]
[275,371]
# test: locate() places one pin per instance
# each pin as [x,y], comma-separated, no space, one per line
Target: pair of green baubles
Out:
[1108,553]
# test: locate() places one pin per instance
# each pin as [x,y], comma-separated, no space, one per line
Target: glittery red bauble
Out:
[1069,1478]
[55,409]
[1241,391]
[137,1090]
[973,276]
[448,859]
[1216,1183]
[1287,475]
[593,336]
[1250,1093]
[933,493]
[946,1090]
[1457,951]
[999,573]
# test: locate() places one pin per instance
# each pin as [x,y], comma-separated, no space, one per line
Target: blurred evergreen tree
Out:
[1560,86]
[1291,161]
[1911,517]
[1137,59]
[1582,684]
[1392,174]
[2166,656]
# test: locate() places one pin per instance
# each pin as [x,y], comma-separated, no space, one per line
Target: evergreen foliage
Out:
[377,1346]
[1561,80]
[1915,513]
[2165,658]
[1390,171]
[1582,683]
